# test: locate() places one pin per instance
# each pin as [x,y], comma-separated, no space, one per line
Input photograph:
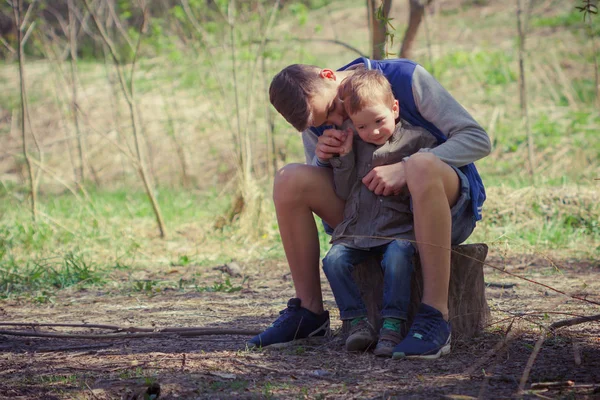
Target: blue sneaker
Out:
[294,323]
[428,337]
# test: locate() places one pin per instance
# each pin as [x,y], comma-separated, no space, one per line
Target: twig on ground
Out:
[248,365]
[496,350]
[73,348]
[532,357]
[522,315]
[576,353]
[91,391]
[500,285]
[552,385]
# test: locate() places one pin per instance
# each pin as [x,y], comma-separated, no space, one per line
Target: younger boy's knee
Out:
[399,255]
[336,260]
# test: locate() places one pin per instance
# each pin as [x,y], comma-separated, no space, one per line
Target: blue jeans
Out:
[397,268]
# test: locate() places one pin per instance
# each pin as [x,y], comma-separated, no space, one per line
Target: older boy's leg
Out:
[434,189]
[299,191]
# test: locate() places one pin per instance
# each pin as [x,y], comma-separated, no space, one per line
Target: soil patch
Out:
[219,367]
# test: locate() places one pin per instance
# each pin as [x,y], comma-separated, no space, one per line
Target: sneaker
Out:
[388,339]
[294,323]
[362,335]
[428,337]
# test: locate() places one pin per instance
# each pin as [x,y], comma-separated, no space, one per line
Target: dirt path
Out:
[218,367]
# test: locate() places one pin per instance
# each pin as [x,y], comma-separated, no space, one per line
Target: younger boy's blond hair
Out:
[364,88]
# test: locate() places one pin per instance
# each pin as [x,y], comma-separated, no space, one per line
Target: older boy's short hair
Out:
[291,90]
[363,88]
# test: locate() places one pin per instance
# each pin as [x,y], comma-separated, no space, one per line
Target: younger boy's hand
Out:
[330,143]
[386,180]
[347,145]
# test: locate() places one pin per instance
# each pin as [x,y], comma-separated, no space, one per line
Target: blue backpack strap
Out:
[400,72]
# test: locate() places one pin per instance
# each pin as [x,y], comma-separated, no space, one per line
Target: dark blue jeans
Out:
[397,268]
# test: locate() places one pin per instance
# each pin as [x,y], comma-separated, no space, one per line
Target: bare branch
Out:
[26,36]
[27,15]
[118,24]
[8,46]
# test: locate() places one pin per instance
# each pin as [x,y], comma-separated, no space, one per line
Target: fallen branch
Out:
[134,329]
[97,326]
[136,335]
[574,321]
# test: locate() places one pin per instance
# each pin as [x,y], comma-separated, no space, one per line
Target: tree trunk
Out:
[377,26]
[469,311]
[417,9]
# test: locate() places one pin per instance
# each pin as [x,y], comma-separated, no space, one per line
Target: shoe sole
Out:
[383,352]
[360,344]
[441,352]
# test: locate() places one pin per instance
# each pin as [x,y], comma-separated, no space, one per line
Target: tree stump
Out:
[469,311]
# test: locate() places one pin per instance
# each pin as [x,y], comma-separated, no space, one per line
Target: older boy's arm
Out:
[309,140]
[467,140]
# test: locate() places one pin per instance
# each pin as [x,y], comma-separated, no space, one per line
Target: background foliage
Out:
[212,142]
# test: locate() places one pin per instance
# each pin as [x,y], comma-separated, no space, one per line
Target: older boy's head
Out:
[306,96]
[369,102]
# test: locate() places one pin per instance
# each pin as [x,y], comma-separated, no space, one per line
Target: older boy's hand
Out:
[386,180]
[330,143]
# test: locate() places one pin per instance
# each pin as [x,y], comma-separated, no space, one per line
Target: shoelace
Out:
[423,326]
[362,325]
[284,316]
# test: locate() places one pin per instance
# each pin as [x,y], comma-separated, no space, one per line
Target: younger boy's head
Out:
[369,102]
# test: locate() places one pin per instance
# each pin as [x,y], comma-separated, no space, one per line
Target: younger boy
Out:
[373,225]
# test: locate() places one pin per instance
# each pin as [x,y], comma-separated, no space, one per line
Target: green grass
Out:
[571,19]
[45,274]
[83,241]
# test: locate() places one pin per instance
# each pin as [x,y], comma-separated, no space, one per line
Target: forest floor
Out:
[219,367]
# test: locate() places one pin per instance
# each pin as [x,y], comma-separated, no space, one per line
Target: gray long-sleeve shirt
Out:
[371,220]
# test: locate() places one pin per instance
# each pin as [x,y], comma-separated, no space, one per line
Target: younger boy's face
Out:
[376,122]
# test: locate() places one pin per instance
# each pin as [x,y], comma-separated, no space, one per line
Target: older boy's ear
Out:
[396,109]
[327,74]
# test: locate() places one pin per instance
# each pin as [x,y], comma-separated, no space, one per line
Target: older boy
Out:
[307,98]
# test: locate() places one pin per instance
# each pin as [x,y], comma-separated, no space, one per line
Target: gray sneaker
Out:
[362,336]
[388,339]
